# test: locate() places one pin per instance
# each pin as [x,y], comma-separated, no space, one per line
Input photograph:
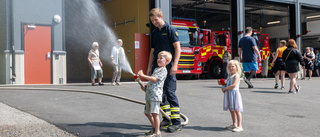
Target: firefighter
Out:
[165,38]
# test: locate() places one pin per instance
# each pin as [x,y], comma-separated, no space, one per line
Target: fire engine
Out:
[202,49]
[189,36]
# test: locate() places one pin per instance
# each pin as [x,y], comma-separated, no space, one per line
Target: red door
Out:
[141,52]
[37,58]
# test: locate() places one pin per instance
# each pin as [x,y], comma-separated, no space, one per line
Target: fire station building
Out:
[36,48]
[32,42]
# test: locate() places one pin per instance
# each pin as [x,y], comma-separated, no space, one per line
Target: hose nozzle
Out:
[136,78]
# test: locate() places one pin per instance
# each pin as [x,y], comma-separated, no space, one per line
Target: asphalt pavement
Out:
[267,111]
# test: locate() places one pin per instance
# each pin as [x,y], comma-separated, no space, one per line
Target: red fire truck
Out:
[189,36]
[202,49]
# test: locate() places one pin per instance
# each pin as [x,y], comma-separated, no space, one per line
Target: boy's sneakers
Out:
[231,127]
[113,84]
[238,129]
[174,128]
[303,78]
[282,88]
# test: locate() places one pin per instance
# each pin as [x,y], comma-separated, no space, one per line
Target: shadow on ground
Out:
[110,129]
[271,92]
[205,128]
[213,86]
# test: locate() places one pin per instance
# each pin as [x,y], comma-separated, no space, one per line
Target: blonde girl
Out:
[232,97]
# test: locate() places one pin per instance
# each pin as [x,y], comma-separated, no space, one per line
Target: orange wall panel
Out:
[142,50]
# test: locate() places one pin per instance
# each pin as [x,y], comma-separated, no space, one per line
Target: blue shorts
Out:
[248,66]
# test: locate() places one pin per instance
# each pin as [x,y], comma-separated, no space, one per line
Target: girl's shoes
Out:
[238,129]
[298,89]
[231,127]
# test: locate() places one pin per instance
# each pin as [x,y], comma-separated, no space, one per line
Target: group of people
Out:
[162,67]
[286,59]
[161,74]
[95,64]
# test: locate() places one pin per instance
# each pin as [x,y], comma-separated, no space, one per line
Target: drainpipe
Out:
[13,67]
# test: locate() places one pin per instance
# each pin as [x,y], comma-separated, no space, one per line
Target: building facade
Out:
[33,45]
[32,42]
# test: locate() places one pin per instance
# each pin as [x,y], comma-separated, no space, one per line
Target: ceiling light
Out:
[316,16]
[273,22]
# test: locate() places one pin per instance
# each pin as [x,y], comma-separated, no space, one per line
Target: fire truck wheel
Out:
[216,69]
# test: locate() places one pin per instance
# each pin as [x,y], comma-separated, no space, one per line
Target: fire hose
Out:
[184,117]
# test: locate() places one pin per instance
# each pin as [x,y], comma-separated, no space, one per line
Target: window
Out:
[188,37]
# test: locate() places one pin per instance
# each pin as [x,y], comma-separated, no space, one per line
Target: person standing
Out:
[117,58]
[317,62]
[279,65]
[225,59]
[232,98]
[292,57]
[165,38]
[248,53]
[308,60]
[94,59]
[154,91]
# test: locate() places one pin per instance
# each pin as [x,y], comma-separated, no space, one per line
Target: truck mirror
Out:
[205,39]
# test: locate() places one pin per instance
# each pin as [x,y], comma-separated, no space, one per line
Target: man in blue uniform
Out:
[248,53]
[165,38]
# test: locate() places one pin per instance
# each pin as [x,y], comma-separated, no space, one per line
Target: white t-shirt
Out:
[94,55]
[118,55]
[154,90]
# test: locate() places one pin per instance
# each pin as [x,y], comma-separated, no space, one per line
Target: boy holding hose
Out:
[154,91]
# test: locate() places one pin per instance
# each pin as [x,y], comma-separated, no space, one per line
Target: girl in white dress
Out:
[232,97]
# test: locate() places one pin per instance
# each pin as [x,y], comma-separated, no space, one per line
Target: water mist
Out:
[87,23]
